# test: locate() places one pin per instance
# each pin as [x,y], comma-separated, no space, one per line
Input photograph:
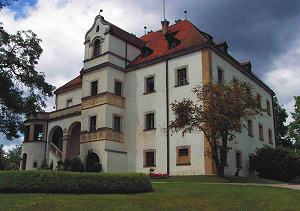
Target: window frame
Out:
[145,121]
[181,163]
[26,133]
[145,164]
[220,70]
[270,136]
[177,84]
[268,107]
[250,127]
[146,90]
[258,100]
[260,132]
[114,123]
[91,88]
[36,134]
[99,49]
[240,164]
[67,101]
[115,87]
[90,123]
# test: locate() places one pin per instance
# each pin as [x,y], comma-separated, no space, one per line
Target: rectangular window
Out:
[220,76]
[69,103]
[183,155]
[182,77]
[117,123]
[94,88]
[270,136]
[149,84]
[258,100]
[261,132]
[238,159]
[26,132]
[268,107]
[38,132]
[149,158]
[35,164]
[250,127]
[150,124]
[93,120]
[118,88]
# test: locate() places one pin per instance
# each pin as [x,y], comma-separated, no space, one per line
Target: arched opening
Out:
[93,163]
[73,144]
[97,48]
[24,161]
[56,137]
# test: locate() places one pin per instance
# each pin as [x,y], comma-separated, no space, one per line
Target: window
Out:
[261,132]
[94,88]
[183,155]
[69,103]
[35,164]
[182,77]
[26,132]
[172,42]
[150,121]
[117,123]
[38,132]
[258,100]
[97,48]
[268,107]
[250,127]
[238,159]
[118,88]
[149,158]
[149,86]
[220,76]
[270,136]
[93,120]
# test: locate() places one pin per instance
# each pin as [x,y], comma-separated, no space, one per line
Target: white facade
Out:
[70,132]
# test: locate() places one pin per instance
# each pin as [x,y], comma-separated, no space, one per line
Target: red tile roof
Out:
[73,84]
[187,34]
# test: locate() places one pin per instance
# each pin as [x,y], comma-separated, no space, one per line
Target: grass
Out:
[167,196]
[215,179]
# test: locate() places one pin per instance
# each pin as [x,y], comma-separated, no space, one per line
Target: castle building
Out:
[115,112]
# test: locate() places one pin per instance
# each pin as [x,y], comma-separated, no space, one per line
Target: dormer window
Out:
[97,48]
[146,51]
[172,41]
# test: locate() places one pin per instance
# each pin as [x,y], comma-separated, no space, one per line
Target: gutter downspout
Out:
[168,116]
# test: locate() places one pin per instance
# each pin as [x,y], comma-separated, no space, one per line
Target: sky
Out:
[265,32]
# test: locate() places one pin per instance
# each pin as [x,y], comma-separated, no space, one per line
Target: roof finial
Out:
[164,9]
[101,10]
[145,27]
[185,11]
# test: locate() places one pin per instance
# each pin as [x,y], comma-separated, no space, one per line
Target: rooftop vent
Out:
[222,46]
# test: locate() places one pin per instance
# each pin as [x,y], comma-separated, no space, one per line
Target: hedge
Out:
[72,182]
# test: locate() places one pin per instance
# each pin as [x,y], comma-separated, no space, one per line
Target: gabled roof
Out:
[73,84]
[184,31]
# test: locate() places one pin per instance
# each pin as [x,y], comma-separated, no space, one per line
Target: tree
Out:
[14,158]
[23,89]
[2,158]
[220,111]
[4,3]
[282,138]
[294,126]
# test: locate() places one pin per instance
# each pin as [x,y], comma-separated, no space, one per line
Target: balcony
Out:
[102,134]
[70,111]
[101,99]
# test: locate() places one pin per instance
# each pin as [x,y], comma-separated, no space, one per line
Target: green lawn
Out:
[215,179]
[175,196]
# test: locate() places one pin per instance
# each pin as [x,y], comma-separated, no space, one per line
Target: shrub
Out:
[279,164]
[44,165]
[72,182]
[76,165]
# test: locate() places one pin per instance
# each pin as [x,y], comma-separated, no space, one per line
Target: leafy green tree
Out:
[219,112]
[282,138]
[23,89]
[3,162]
[294,126]
[14,158]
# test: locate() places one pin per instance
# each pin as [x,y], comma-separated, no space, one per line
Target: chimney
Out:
[165,26]
[247,65]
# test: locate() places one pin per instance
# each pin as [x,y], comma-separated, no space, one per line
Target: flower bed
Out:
[158,176]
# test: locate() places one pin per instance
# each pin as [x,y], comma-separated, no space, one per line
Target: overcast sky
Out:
[265,32]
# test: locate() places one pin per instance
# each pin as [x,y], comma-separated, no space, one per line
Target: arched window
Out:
[97,48]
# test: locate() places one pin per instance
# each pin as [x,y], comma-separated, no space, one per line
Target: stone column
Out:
[65,139]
